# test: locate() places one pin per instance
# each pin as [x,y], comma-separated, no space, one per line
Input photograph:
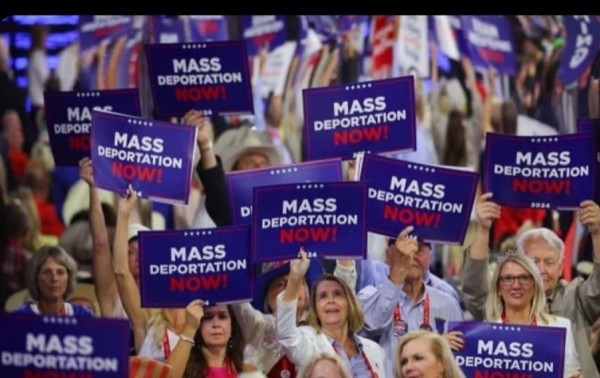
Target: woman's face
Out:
[215,326]
[52,280]
[418,361]
[325,369]
[331,303]
[515,286]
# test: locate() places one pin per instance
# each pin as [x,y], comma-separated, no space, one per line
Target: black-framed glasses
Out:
[524,279]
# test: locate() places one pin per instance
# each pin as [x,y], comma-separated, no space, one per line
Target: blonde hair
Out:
[494,305]
[306,371]
[437,345]
[33,238]
[356,318]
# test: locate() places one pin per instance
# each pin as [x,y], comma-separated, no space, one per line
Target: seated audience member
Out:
[578,300]
[425,355]
[51,278]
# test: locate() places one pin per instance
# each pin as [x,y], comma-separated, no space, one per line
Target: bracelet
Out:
[208,147]
[183,337]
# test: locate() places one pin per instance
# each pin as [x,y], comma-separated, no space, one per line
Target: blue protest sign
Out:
[177,267]
[207,76]
[208,28]
[168,29]
[240,184]
[263,32]
[376,116]
[540,172]
[490,42]
[93,29]
[326,219]
[437,201]
[156,158]
[69,117]
[581,45]
[64,346]
[592,126]
[497,350]
[459,36]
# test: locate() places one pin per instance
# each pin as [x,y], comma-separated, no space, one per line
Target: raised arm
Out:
[589,292]
[179,356]
[298,347]
[210,171]
[475,272]
[378,303]
[128,289]
[104,278]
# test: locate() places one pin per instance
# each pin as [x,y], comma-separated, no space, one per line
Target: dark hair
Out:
[197,364]
[455,153]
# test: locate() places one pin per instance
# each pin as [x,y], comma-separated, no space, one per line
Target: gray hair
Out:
[543,234]
[35,265]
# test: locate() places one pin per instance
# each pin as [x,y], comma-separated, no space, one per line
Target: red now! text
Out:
[410,216]
[537,186]
[79,142]
[130,171]
[215,92]
[302,234]
[196,283]
[353,136]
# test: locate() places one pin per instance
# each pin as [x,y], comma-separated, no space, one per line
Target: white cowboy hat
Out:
[234,143]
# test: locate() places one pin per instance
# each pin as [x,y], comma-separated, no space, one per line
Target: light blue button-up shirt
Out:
[378,305]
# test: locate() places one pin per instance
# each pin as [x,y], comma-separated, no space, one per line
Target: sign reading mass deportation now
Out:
[156,158]
[540,172]
[209,264]
[241,184]
[326,219]
[69,117]
[437,201]
[490,42]
[376,116]
[208,76]
[497,350]
[64,346]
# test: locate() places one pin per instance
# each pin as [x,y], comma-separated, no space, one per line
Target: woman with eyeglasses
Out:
[517,296]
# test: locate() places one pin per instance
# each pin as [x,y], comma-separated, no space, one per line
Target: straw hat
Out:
[234,143]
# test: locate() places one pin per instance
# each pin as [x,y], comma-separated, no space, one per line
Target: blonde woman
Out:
[325,365]
[516,296]
[334,318]
[425,354]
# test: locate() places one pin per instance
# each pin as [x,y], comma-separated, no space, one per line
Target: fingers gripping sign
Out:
[487,211]
[589,215]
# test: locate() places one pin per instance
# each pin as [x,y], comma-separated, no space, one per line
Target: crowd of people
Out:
[310,318]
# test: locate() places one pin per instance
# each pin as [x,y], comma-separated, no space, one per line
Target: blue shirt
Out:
[357,364]
[378,304]
[72,309]
[374,273]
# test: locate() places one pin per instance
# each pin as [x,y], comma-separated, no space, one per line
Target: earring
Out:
[230,343]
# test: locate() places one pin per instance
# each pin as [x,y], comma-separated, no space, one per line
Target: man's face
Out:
[547,260]
[252,160]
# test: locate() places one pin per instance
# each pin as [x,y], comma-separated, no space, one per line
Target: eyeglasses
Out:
[525,280]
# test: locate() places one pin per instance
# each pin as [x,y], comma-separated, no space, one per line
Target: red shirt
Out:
[50,224]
